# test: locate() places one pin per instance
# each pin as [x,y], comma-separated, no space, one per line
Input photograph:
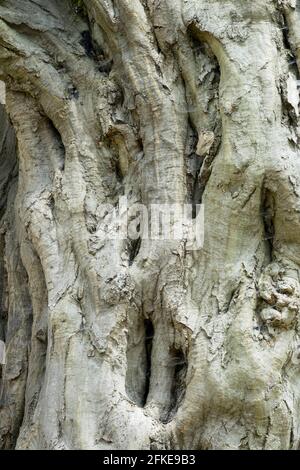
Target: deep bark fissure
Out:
[268,213]
[209,136]
[149,335]
[3,293]
[134,248]
[179,365]
[139,363]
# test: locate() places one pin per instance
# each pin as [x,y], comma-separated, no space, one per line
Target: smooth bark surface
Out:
[147,344]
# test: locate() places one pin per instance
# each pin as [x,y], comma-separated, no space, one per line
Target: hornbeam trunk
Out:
[114,343]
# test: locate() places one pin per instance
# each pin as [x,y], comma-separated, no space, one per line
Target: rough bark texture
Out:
[149,345]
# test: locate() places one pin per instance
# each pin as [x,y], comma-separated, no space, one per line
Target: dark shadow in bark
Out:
[95,52]
[268,212]
[193,164]
[8,172]
[105,66]
[19,327]
[3,299]
[203,165]
[39,338]
[119,174]
[134,249]
[87,43]
[179,365]
[8,158]
[149,334]
[139,362]
[289,114]
[59,144]
[15,301]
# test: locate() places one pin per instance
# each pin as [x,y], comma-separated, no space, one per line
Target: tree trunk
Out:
[117,343]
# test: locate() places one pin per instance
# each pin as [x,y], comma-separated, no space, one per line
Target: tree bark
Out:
[118,344]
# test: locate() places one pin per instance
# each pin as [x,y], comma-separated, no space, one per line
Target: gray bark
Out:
[121,345]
